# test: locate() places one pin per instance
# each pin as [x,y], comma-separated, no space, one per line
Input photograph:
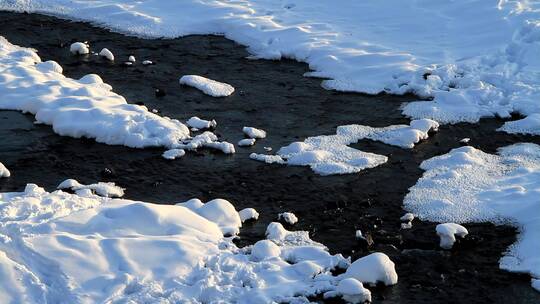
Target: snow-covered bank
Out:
[476,59]
[88,108]
[331,154]
[468,185]
[79,108]
[61,247]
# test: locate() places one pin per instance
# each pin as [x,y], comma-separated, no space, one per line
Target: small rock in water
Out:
[159,93]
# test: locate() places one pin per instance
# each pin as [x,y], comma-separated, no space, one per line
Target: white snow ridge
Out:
[207,86]
[468,185]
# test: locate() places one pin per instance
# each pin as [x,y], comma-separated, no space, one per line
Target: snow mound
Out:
[4,172]
[101,188]
[207,86]
[248,214]
[173,154]
[61,247]
[351,290]
[448,232]
[246,142]
[219,211]
[288,217]
[468,185]
[254,132]
[265,249]
[132,59]
[79,48]
[376,267]
[198,123]
[105,53]
[84,108]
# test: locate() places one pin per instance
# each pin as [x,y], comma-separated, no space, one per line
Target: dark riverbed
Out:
[274,96]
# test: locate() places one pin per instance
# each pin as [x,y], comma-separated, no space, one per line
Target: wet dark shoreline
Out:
[274,96]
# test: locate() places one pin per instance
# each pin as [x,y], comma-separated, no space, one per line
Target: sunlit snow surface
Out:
[468,185]
[476,58]
[61,247]
[331,154]
[79,108]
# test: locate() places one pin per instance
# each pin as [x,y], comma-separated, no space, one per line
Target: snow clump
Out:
[105,53]
[248,214]
[173,153]
[376,267]
[79,48]
[101,188]
[288,217]
[207,86]
[254,132]
[198,123]
[448,232]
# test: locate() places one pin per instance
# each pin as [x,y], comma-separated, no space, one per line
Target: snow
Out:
[330,154]
[61,247]
[4,172]
[269,159]
[398,135]
[223,146]
[79,48]
[207,86]
[407,225]
[79,108]
[147,62]
[376,267]
[173,153]
[288,217]
[351,290]
[484,65]
[248,214]
[407,217]
[246,142]
[131,58]
[255,133]
[265,249]
[448,232]
[106,54]
[101,188]
[358,234]
[465,140]
[198,123]
[467,185]
[527,125]
[219,211]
